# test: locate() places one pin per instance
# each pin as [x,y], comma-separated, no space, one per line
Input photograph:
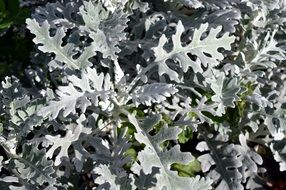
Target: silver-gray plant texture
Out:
[122,91]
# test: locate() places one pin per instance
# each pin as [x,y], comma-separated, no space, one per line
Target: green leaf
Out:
[2,8]
[185,135]
[5,24]
[1,128]
[132,153]
[13,7]
[21,16]
[188,170]
[139,113]
[13,14]
[130,130]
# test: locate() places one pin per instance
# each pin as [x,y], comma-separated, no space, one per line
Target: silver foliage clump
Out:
[119,83]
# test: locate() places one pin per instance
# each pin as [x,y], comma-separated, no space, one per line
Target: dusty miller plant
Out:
[117,89]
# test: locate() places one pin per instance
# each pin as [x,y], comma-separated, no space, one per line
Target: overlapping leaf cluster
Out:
[119,88]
